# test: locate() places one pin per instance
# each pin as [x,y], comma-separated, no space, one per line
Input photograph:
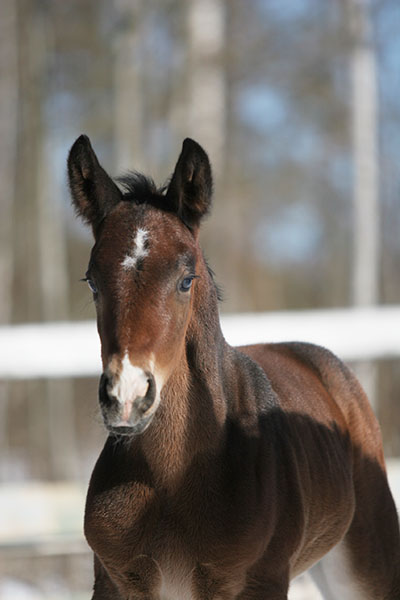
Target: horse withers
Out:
[227,471]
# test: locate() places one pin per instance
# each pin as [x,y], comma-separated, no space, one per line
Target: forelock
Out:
[140,189]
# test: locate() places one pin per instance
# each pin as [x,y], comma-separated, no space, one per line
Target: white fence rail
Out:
[72,349]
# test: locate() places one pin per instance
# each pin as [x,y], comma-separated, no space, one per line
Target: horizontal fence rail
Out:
[72,349]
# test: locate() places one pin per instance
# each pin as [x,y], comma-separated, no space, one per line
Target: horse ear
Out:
[93,192]
[189,192]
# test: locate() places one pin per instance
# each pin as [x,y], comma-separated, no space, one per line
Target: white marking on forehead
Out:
[139,250]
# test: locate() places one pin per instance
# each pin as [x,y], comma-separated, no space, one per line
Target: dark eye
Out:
[92,286]
[186,284]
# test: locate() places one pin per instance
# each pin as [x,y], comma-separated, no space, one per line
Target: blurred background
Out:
[297,104]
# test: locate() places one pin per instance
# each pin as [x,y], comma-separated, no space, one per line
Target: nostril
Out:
[124,402]
[145,403]
[104,396]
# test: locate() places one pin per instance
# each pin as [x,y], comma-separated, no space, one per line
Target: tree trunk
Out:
[366,184]
[206,80]
[8,149]
[129,142]
[41,277]
[54,277]
[365,148]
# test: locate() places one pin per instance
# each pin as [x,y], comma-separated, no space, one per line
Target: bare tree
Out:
[41,273]
[53,272]
[365,147]
[8,148]
[128,89]
[207,93]
[366,185]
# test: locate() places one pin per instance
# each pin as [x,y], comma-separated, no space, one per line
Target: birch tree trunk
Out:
[207,118]
[53,261]
[41,290]
[53,274]
[366,184]
[206,81]
[128,97]
[365,148]
[8,149]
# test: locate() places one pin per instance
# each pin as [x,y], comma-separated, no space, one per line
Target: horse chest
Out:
[176,581]
[141,543]
[133,519]
[139,536]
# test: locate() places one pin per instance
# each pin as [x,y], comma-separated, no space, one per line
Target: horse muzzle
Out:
[127,403]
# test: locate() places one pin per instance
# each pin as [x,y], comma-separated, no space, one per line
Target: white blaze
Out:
[139,250]
[131,383]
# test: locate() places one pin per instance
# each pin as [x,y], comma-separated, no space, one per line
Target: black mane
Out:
[140,189]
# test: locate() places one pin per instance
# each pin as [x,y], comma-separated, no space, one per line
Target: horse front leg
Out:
[265,589]
[138,579]
[104,588]
[209,583]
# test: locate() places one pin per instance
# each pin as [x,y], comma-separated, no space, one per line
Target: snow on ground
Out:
[303,588]
[12,589]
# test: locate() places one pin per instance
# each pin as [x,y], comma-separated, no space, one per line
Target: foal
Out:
[227,471]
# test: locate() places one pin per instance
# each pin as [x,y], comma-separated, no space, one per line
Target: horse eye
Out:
[186,284]
[92,286]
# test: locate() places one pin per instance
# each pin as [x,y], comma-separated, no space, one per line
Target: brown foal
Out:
[227,471]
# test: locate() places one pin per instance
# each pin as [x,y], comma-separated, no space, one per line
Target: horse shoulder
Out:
[310,380]
[304,455]
[311,371]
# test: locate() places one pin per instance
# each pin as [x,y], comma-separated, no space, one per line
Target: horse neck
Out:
[190,419]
